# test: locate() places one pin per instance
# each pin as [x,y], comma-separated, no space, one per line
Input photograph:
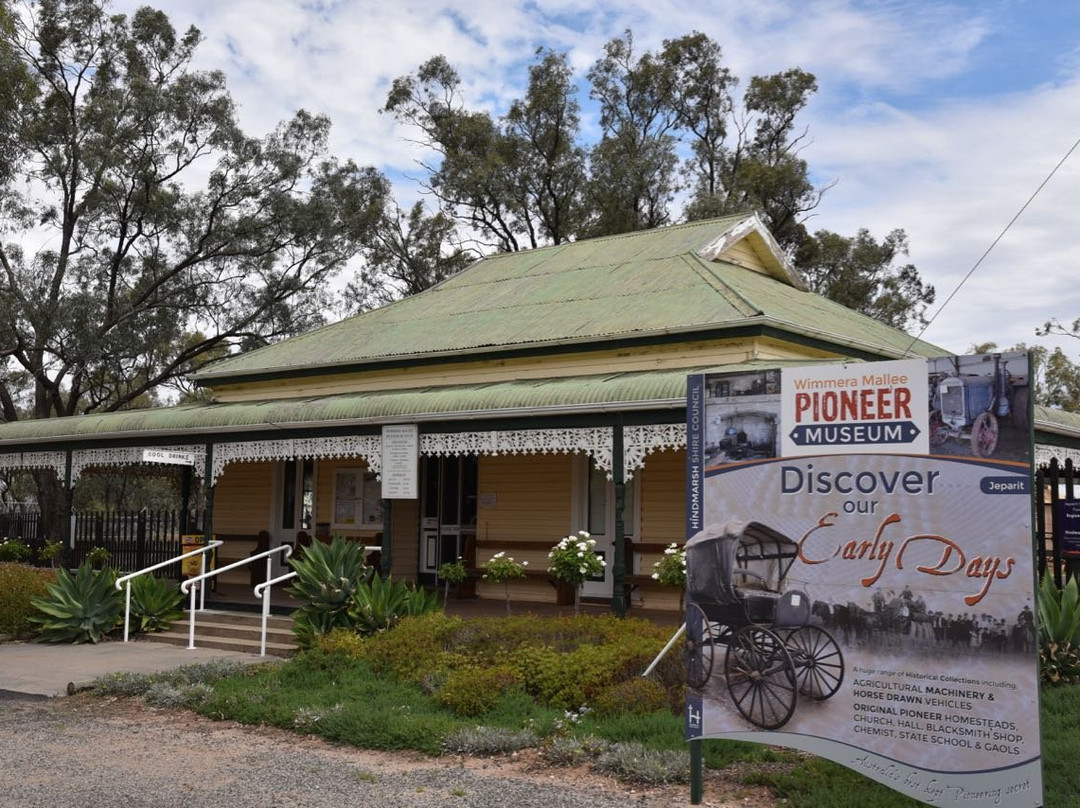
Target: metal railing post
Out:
[125,581]
[127,610]
[191,620]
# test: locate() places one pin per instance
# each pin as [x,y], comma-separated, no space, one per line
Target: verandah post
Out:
[618,572]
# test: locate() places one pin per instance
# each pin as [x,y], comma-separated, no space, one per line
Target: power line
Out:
[993,244]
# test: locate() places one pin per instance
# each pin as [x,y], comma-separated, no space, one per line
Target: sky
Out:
[940,118]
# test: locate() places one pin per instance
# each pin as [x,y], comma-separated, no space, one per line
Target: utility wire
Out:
[1001,235]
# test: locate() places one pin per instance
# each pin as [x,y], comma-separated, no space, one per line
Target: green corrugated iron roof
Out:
[1057,422]
[634,285]
[549,396]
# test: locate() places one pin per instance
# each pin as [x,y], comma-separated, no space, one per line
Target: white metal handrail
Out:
[125,581]
[262,592]
[186,586]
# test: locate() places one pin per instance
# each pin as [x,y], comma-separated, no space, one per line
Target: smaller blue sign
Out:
[1067,526]
[1004,485]
[884,432]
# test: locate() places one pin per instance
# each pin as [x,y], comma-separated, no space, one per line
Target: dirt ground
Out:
[180,753]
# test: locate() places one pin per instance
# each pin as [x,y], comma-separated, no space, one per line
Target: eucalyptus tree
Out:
[634,166]
[408,253]
[515,182]
[866,275]
[141,231]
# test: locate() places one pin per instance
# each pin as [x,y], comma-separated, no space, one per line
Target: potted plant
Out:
[503,569]
[573,560]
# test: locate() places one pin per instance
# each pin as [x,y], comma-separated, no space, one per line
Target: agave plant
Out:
[327,576]
[155,603]
[379,604]
[83,607]
[1059,612]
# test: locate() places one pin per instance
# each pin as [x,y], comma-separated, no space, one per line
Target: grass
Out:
[337,695]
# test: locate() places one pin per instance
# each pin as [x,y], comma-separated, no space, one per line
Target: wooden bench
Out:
[486,548]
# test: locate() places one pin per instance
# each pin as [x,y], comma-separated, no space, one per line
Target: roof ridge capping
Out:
[770,251]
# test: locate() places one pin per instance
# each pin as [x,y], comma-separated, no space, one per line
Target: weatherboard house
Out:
[547,391]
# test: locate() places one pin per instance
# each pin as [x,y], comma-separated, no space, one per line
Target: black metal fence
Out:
[134,539]
[1057,486]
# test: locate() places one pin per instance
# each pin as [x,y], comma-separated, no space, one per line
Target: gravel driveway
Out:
[85,752]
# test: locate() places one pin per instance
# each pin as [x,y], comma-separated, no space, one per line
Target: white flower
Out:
[524,563]
[656,576]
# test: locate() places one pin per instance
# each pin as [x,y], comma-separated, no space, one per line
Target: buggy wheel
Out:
[761,677]
[819,665]
[699,647]
[984,435]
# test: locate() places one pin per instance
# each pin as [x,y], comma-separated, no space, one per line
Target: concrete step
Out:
[247,646]
[244,619]
[232,631]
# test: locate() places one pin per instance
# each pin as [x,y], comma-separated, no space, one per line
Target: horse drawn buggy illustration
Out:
[741,615]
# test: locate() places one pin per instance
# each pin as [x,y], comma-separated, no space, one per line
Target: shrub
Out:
[417,647]
[573,750]
[670,570]
[341,641]
[502,569]
[574,559]
[484,741]
[1059,663]
[50,552]
[79,608]
[19,584]
[640,764]
[473,689]
[13,550]
[155,603]
[379,605]
[635,696]
[452,573]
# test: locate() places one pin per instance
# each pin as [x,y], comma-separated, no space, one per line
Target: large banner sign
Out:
[859,571]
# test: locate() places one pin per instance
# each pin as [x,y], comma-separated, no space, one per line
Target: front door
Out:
[596,512]
[294,505]
[448,511]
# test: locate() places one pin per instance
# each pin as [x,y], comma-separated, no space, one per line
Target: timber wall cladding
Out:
[243,498]
[531,502]
[642,358]
[405,558]
[663,497]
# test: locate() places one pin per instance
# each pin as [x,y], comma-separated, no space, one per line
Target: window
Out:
[357,499]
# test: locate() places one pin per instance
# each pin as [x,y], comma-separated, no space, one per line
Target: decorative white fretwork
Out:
[1044,453]
[594,441]
[369,447]
[25,461]
[82,459]
[639,441]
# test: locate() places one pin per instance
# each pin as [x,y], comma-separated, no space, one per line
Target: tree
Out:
[409,252]
[634,166]
[1059,376]
[169,235]
[516,182]
[861,273]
